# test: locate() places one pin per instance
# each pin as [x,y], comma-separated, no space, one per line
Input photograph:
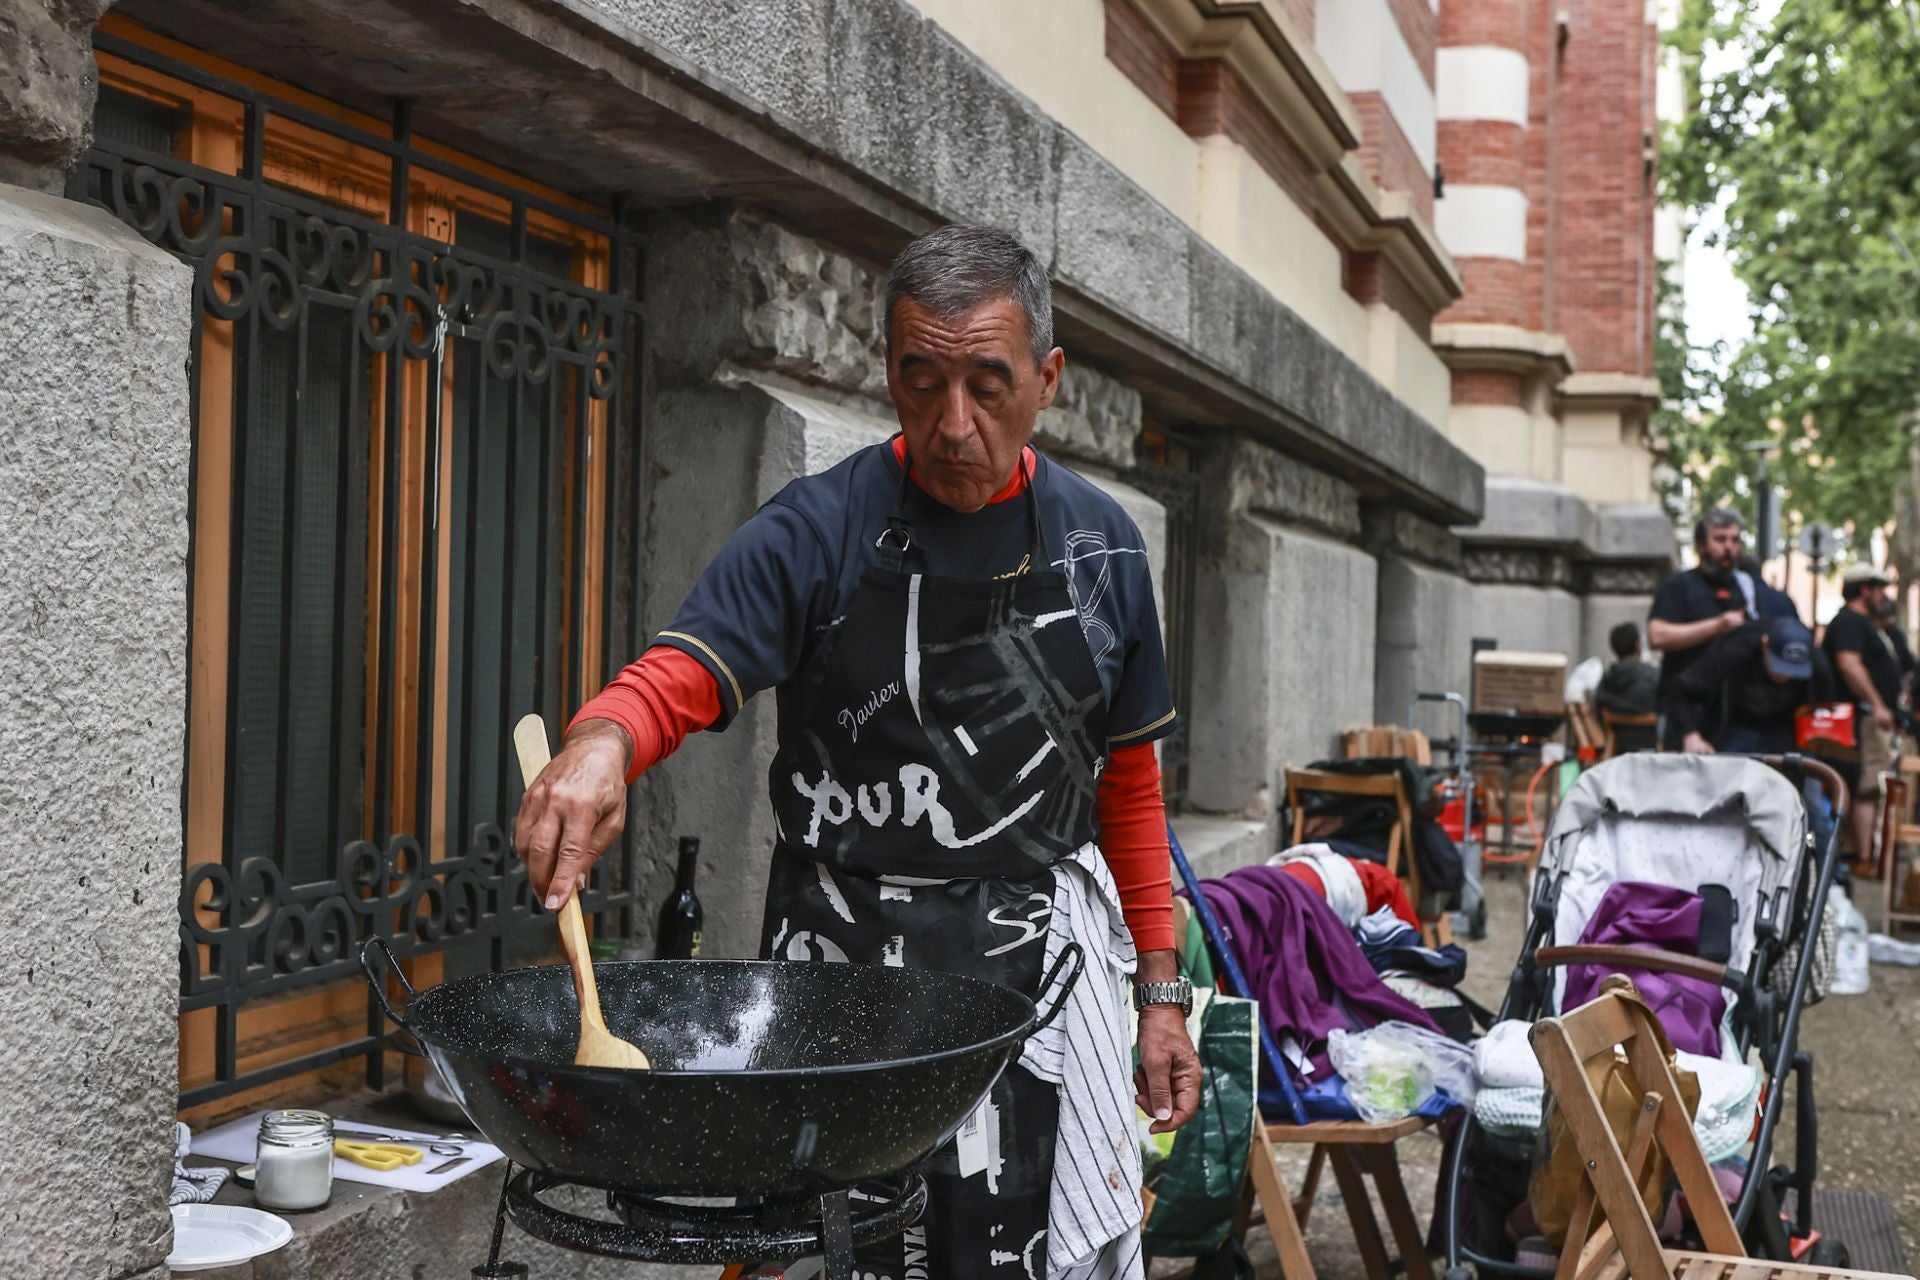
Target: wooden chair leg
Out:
[1366,1227]
[1288,1240]
[1310,1185]
[1384,1163]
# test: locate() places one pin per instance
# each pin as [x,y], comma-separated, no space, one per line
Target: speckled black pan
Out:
[770,1077]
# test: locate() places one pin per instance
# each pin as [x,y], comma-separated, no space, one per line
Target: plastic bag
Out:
[1393,1068]
[1886,950]
[1584,679]
[1850,962]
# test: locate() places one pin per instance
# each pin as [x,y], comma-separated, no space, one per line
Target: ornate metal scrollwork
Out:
[250,931]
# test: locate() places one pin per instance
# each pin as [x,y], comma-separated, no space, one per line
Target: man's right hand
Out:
[1695,744]
[574,809]
[1883,717]
[1732,620]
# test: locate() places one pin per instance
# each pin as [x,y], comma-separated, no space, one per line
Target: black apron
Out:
[939,753]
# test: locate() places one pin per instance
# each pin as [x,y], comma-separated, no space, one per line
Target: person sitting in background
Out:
[1742,694]
[1630,687]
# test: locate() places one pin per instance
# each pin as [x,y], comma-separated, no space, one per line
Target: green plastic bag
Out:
[1198,1185]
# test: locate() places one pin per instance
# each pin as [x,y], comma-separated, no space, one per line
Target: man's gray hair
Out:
[1717,518]
[955,269]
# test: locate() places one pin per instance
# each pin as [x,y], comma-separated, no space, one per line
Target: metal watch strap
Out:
[1178,992]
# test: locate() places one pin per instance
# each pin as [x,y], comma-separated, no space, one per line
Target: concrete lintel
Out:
[1633,531]
[1623,392]
[1533,513]
[1504,347]
[862,121]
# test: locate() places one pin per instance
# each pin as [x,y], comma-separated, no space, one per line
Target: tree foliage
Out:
[1811,145]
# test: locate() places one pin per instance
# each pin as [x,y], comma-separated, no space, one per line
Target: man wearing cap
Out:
[1867,669]
[1742,694]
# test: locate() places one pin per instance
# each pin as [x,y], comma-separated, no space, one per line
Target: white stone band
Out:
[1482,222]
[1482,82]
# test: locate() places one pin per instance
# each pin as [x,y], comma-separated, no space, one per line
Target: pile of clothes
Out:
[1330,943]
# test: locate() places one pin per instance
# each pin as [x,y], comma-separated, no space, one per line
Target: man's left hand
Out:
[1167,1085]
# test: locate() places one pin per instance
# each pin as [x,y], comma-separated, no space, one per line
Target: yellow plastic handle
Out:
[381,1157]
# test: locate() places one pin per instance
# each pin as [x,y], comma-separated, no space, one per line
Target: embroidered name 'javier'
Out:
[851,718]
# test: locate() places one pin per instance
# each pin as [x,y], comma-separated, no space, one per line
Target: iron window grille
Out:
[355,806]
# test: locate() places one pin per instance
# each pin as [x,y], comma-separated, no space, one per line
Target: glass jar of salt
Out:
[293,1161]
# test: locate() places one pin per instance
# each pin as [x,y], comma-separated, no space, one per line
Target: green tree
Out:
[1811,143]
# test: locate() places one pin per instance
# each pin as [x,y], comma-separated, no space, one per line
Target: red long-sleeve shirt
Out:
[666,695]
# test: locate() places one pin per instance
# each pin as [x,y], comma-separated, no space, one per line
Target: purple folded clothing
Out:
[1307,972]
[1635,913]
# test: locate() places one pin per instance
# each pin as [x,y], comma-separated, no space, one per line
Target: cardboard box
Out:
[1510,681]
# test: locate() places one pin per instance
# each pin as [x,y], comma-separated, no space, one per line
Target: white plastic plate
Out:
[220,1235]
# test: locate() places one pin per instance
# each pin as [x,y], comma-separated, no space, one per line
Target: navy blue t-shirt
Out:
[762,607]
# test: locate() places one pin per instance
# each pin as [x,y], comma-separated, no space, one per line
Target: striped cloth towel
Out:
[1093,1206]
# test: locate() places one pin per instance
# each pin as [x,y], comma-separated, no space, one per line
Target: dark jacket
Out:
[1629,687]
[1729,689]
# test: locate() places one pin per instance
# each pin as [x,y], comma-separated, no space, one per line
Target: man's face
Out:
[1721,548]
[966,392]
[1876,597]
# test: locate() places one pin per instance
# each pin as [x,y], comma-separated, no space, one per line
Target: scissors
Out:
[452,1144]
[381,1157]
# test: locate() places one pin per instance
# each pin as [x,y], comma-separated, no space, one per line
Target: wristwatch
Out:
[1179,992]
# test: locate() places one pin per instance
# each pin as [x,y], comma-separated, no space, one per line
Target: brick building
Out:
[1547,140]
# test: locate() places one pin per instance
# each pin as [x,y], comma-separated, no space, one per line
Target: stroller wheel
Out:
[1827,1252]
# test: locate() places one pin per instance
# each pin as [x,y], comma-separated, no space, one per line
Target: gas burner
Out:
[654,1229]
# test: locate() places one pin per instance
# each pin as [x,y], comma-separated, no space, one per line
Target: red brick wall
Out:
[1370,278]
[1205,97]
[1602,265]
[1484,152]
[1138,50]
[1500,154]
[1495,294]
[1486,386]
[1386,154]
[1502,23]
[1420,27]
[1543,64]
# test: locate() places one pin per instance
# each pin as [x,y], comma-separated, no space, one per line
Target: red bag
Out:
[1828,729]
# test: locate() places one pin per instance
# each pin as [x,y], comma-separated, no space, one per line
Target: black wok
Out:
[771,1077]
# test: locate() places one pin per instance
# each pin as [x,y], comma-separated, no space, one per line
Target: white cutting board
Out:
[237,1141]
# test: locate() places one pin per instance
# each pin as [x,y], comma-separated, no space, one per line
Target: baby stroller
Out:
[1734,830]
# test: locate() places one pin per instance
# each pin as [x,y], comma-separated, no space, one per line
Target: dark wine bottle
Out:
[681,916]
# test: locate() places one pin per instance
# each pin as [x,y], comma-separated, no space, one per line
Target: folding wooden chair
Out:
[1898,830]
[1437,930]
[1616,720]
[1611,1235]
[1355,1149]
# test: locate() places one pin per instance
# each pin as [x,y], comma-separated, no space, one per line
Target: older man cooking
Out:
[963,638]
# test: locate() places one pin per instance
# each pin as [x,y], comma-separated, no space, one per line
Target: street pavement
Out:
[1866,1081]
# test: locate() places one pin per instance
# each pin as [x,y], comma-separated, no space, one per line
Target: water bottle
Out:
[1851,959]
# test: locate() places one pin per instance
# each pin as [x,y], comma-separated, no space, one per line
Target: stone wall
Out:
[1283,659]
[1527,618]
[1425,644]
[93,675]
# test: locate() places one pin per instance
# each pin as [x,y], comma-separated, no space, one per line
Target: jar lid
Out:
[296,1126]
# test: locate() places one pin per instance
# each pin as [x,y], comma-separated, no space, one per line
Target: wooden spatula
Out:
[599,1047]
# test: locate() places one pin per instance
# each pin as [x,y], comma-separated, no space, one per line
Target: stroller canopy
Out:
[1681,820]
